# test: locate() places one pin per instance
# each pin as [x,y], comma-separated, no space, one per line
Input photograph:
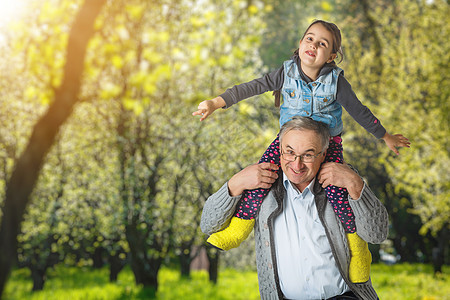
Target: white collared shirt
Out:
[306,266]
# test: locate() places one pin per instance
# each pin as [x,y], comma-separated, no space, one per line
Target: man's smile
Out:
[297,172]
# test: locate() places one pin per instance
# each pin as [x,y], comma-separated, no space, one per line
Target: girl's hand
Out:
[396,141]
[207,107]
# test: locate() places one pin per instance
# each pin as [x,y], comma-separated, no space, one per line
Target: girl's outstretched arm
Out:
[395,141]
[207,107]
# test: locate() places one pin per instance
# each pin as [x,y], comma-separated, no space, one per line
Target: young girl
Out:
[312,86]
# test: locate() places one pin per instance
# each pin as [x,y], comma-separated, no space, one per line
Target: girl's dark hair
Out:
[337,42]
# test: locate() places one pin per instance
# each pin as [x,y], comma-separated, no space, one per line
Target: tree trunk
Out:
[213,257]
[146,271]
[185,260]
[438,254]
[39,263]
[115,266]
[28,167]
[97,258]
[38,276]
[144,267]
[375,250]
[185,266]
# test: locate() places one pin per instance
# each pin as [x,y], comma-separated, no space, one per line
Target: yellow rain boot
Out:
[360,259]
[233,235]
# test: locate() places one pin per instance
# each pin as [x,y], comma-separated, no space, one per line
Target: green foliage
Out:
[423,90]
[402,281]
[146,69]
[149,66]
[397,69]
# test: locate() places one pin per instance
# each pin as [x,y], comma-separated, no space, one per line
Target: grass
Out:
[402,281]
[411,281]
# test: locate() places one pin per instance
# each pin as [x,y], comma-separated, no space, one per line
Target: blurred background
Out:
[115,198]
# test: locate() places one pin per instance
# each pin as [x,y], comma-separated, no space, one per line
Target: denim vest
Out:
[316,99]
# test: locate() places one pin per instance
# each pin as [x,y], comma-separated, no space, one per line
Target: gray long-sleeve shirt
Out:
[345,96]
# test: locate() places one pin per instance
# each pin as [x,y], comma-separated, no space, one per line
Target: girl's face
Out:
[316,47]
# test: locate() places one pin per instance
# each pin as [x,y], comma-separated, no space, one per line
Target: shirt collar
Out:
[289,186]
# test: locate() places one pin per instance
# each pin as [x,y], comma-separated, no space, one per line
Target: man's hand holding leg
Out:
[252,177]
[341,175]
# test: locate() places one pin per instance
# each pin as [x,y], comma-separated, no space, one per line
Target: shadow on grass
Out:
[143,293]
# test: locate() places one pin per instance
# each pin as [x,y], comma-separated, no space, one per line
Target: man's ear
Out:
[324,155]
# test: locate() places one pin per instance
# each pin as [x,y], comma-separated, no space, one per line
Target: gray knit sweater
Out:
[371,222]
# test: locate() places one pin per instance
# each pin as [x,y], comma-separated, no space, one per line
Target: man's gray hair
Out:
[305,123]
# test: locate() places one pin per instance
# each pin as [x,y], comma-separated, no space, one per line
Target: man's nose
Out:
[298,163]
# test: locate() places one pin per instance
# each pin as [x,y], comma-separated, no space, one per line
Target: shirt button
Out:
[266,226]
[314,84]
[325,100]
[307,100]
[270,266]
[292,94]
[267,243]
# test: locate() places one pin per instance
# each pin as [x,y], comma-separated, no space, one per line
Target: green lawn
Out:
[403,281]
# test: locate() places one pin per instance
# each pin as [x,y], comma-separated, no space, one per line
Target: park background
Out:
[104,172]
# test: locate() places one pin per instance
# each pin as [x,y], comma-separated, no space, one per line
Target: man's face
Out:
[301,142]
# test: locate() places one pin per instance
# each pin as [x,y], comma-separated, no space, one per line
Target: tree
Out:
[38,241]
[395,70]
[27,168]
[423,93]
[152,84]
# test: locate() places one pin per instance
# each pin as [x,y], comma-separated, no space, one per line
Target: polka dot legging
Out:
[337,196]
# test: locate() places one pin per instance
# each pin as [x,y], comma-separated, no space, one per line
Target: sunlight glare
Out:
[11,10]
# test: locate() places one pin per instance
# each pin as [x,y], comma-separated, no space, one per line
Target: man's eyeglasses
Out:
[306,158]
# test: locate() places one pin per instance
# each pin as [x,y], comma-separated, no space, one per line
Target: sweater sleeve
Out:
[218,210]
[269,82]
[371,217]
[359,112]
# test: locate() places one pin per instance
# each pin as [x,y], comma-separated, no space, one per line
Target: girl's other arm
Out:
[395,141]
[207,107]
[361,114]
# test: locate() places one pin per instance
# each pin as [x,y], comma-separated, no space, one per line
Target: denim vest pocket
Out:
[323,104]
[325,108]
[291,98]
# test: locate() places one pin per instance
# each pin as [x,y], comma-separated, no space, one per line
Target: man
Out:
[301,248]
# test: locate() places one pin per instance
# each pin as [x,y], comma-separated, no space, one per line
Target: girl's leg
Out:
[360,257]
[244,219]
[252,199]
[337,196]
